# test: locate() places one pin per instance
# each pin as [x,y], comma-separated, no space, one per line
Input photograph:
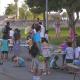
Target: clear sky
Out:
[4,3]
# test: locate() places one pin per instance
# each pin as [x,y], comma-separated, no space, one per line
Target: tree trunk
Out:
[72,23]
[44,19]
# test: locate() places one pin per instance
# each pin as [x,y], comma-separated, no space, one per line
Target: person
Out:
[38,20]
[46,54]
[34,52]
[33,31]
[17,34]
[11,44]
[77,53]
[7,29]
[63,47]
[57,28]
[11,33]
[46,35]
[18,61]
[37,37]
[69,53]
[5,47]
[42,32]
[16,47]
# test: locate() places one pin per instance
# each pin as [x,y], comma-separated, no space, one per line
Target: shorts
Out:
[36,64]
[69,60]
[4,52]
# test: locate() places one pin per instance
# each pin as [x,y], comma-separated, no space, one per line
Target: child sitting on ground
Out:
[18,61]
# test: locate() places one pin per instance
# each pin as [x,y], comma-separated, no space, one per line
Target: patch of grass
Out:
[64,35]
[52,39]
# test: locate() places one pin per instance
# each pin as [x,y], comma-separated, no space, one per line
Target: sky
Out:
[4,3]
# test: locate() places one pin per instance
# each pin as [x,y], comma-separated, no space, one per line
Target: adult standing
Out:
[42,32]
[6,29]
[57,27]
[37,37]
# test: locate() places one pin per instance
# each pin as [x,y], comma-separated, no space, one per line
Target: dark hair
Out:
[38,27]
[33,26]
[69,44]
[44,40]
[34,50]
[8,23]
[38,19]
[13,58]
[46,31]
[40,23]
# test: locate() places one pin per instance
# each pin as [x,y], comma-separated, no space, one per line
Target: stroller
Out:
[53,62]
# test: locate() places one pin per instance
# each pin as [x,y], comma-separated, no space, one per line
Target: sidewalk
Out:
[9,72]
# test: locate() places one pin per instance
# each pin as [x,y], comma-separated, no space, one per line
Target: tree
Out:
[36,7]
[21,13]
[10,10]
[71,6]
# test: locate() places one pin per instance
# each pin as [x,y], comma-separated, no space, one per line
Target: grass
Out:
[52,39]
[64,35]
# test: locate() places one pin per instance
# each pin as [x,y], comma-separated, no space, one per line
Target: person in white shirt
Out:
[77,52]
[46,35]
[42,32]
[11,33]
[77,55]
[69,53]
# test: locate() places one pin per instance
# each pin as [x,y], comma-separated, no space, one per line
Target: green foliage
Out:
[11,9]
[21,13]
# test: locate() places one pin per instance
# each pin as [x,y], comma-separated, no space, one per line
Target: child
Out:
[16,47]
[18,61]
[5,47]
[37,37]
[46,35]
[77,55]
[69,53]
[11,42]
[46,53]
[34,52]
[63,47]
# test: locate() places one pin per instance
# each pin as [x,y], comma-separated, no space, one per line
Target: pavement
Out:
[9,72]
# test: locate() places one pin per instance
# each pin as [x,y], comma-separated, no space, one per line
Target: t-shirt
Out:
[37,37]
[77,52]
[46,36]
[45,50]
[11,33]
[5,45]
[69,53]
[21,61]
[42,31]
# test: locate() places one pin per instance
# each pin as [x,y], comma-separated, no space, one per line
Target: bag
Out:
[41,58]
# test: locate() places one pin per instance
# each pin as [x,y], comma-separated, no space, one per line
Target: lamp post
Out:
[46,16]
[17,9]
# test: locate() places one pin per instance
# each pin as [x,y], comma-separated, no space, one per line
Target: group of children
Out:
[39,51]
[71,53]
[10,44]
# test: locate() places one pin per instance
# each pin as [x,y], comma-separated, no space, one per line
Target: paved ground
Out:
[9,72]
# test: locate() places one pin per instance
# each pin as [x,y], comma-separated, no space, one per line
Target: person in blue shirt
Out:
[5,47]
[18,61]
[37,37]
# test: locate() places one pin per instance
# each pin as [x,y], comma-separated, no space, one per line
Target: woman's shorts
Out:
[4,52]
